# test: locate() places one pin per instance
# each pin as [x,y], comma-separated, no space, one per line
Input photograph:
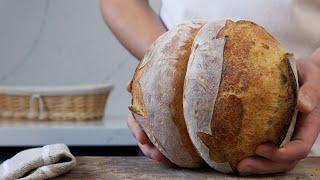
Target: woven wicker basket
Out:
[54,103]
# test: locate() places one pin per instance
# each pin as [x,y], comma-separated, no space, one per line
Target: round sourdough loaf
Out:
[240,91]
[157,90]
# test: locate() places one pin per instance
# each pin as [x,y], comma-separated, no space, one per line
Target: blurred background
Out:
[59,42]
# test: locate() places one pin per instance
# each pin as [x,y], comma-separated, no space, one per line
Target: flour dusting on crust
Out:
[202,85]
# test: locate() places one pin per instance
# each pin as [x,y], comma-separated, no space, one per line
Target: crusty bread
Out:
[157,90]
[229,85]
[240,91]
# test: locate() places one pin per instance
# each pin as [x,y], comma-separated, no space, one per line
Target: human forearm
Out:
[133,22]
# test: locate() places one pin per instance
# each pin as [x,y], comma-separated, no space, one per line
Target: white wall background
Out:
[59,42]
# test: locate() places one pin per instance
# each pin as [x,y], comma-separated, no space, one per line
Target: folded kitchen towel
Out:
[38,163]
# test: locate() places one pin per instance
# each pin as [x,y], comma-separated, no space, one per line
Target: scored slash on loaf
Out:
[157,90]
[215,90]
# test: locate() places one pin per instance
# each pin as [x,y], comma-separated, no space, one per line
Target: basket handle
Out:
[41,106]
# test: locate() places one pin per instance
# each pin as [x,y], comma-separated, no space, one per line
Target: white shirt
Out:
[295,23]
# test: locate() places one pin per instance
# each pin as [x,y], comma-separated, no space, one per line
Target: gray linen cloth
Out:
[38,163]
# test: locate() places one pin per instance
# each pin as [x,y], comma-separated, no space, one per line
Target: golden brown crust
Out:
[176,104]
[256,95]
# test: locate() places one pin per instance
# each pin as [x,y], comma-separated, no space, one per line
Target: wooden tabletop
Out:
[143,168]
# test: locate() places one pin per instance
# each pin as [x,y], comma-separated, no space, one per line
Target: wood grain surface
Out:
[143,168]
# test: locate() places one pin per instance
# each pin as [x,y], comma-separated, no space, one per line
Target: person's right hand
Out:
[144,143]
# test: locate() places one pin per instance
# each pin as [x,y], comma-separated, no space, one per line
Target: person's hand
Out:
[270,158]
[144,143]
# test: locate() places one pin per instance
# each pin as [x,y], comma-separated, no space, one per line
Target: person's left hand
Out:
[270,158]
